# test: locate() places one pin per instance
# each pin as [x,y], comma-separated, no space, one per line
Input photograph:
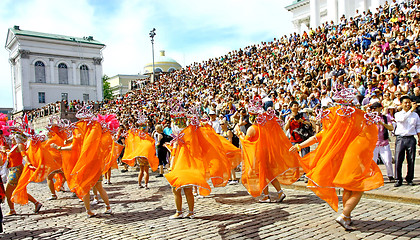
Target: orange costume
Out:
[85,162]
[116,149]
[343,158]
[266,156]
[200,155]
[140,144]
[42,157]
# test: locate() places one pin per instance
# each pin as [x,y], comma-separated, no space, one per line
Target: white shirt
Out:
[216,126]
[408,123]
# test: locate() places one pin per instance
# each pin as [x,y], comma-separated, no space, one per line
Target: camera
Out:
[298,116]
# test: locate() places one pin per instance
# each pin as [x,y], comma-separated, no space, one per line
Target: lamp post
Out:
[152,34]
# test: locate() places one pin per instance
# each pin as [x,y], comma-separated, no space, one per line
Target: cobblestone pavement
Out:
[228,213]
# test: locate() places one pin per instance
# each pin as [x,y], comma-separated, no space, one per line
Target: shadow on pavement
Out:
[405,228]
[246,225]
[138,216]
[35,234]
[125,203]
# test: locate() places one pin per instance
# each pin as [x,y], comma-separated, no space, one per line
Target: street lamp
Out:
[152,34]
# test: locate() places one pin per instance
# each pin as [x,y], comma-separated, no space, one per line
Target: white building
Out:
[120,84]
[312,13]
[49,67]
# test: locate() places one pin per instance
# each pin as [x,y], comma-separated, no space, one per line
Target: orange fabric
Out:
[57,136]
[15,158]
[140,144]
[113,153]
[84,163]
[219,172]
[343,157]
[266,157]
[58,181]
[201,155]
[39,155]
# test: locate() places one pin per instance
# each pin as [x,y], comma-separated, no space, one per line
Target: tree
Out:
[106,88]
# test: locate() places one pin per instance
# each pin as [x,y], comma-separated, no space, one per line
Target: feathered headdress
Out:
[85,113]
[3,124]
[177,110]
[109,122]
[61,124]
[255,107]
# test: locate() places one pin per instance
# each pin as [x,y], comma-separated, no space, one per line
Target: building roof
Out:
[296,4]
[89,40]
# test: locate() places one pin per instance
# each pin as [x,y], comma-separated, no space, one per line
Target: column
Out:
[373,5]
[314,18]
[52,75]
[97,62]
[362,6]
[296,26]
[332,10]
[74,72]
[341,7]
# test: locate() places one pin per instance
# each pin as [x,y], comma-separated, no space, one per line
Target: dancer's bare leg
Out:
[86,201]
[190,200]
[351,201]
[103,194]
[9,191]
[145,169]
[178,202]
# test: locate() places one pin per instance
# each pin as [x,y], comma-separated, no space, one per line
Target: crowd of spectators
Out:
[57,107]
[375,53]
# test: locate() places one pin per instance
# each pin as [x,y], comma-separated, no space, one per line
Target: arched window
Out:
[63,76]
[84,75]
[158,70]
[40,72]
[171,70]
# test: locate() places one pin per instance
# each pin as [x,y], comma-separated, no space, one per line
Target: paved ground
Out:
[228,213]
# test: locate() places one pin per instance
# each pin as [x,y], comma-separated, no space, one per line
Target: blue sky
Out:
[189,31]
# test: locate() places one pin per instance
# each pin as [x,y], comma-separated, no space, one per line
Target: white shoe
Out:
[177,215]
[344,223]
[94,202]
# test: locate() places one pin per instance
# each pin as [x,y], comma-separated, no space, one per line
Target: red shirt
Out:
[294,137]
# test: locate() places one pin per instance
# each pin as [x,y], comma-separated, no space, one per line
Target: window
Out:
[85,97]
[41,97]
[40,72]
[64,96]
[171,70]
[84,75]
[158,70]
[63,76]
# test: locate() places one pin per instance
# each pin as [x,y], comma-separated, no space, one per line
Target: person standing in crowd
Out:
[228,134]
[214,122]
[383,148]
[160,140]
[294,121]
[407,126]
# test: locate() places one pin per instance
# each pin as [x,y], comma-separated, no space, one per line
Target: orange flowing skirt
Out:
[201,155]
[85,163]
[140,144]
[343,158]
[45,159]
[114,153]
[266,157]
